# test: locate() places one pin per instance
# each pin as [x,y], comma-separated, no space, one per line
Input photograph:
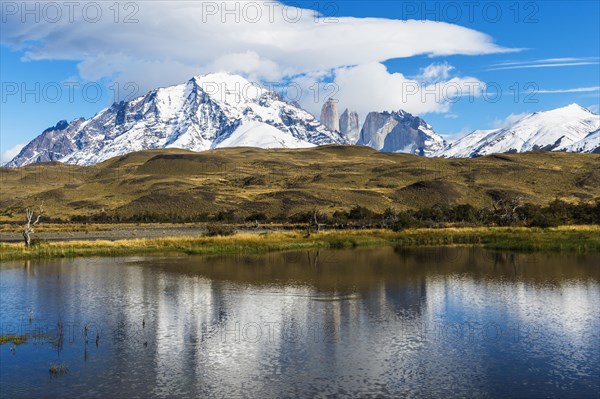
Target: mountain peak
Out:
[329,115]
[208,111]
[399,131]
[573,107]
[560,129]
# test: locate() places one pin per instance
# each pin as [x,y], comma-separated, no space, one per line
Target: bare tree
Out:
[29,227]
[313,222]
[316,221]
[506,209]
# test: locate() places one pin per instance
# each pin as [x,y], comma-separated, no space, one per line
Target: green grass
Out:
[578,239]
[568,239]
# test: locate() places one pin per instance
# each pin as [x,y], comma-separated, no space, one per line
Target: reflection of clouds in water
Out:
[568,308]
[361,326]
[181,308]
[569,323]
[557,322]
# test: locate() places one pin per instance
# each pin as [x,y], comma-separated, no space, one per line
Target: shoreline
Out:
[574,239]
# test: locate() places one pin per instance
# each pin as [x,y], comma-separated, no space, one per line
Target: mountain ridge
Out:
[225,110]
[559,129]
[206,112]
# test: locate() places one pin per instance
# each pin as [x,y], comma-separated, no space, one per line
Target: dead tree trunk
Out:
[29,227]
[316,221]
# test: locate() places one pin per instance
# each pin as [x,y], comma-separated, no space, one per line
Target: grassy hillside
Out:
[285,182]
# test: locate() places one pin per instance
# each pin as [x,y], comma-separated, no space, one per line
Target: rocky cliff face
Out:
[329,115]
[52,145]
[400,132]
[349,126]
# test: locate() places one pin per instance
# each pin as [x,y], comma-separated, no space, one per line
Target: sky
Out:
[460,65]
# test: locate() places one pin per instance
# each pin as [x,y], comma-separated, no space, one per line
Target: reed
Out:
[573,239]
[15,339]
[57,369]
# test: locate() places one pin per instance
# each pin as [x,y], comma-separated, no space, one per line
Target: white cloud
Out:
[545,63]
[574,90]
[8,155]
[370,87]
[546,60]
[509,120]
[173,41]
[435,72]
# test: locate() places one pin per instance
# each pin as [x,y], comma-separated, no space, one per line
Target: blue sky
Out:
[542,55]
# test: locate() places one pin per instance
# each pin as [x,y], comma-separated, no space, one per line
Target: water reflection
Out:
[418,322]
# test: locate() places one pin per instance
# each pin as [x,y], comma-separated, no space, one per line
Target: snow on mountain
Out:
[556,130]
[400,132]
[257,134]
[590,143]
[209,111]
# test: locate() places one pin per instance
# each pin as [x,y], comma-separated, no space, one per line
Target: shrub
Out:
[258,216]
[360,213]
[301,217]
[213,230]
[543,220]
[226,216]
[403,221]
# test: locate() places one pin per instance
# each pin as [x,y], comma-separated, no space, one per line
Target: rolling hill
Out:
[288,181]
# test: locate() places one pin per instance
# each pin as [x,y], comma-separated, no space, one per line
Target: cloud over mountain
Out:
[161,43]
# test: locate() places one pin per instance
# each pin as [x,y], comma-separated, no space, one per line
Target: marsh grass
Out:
[15,339]
[573,239]
[57,369]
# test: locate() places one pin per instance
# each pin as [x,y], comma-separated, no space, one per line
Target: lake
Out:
[423,322]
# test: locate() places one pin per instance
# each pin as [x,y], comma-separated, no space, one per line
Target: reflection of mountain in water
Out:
[307,323]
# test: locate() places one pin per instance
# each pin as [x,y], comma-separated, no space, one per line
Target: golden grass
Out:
[165,182]
[568,238]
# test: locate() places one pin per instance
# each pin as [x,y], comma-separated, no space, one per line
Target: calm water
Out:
[378,322]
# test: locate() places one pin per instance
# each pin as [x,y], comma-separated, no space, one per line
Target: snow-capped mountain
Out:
[207,112]
[590,143]
[571,128]
[400,131]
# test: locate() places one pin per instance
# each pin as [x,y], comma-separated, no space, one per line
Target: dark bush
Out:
[213,230]
[301,217]
[404,221]
[360,213]
[542,220]
[257,216]
[226,216]
[464,213]
[340,217]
